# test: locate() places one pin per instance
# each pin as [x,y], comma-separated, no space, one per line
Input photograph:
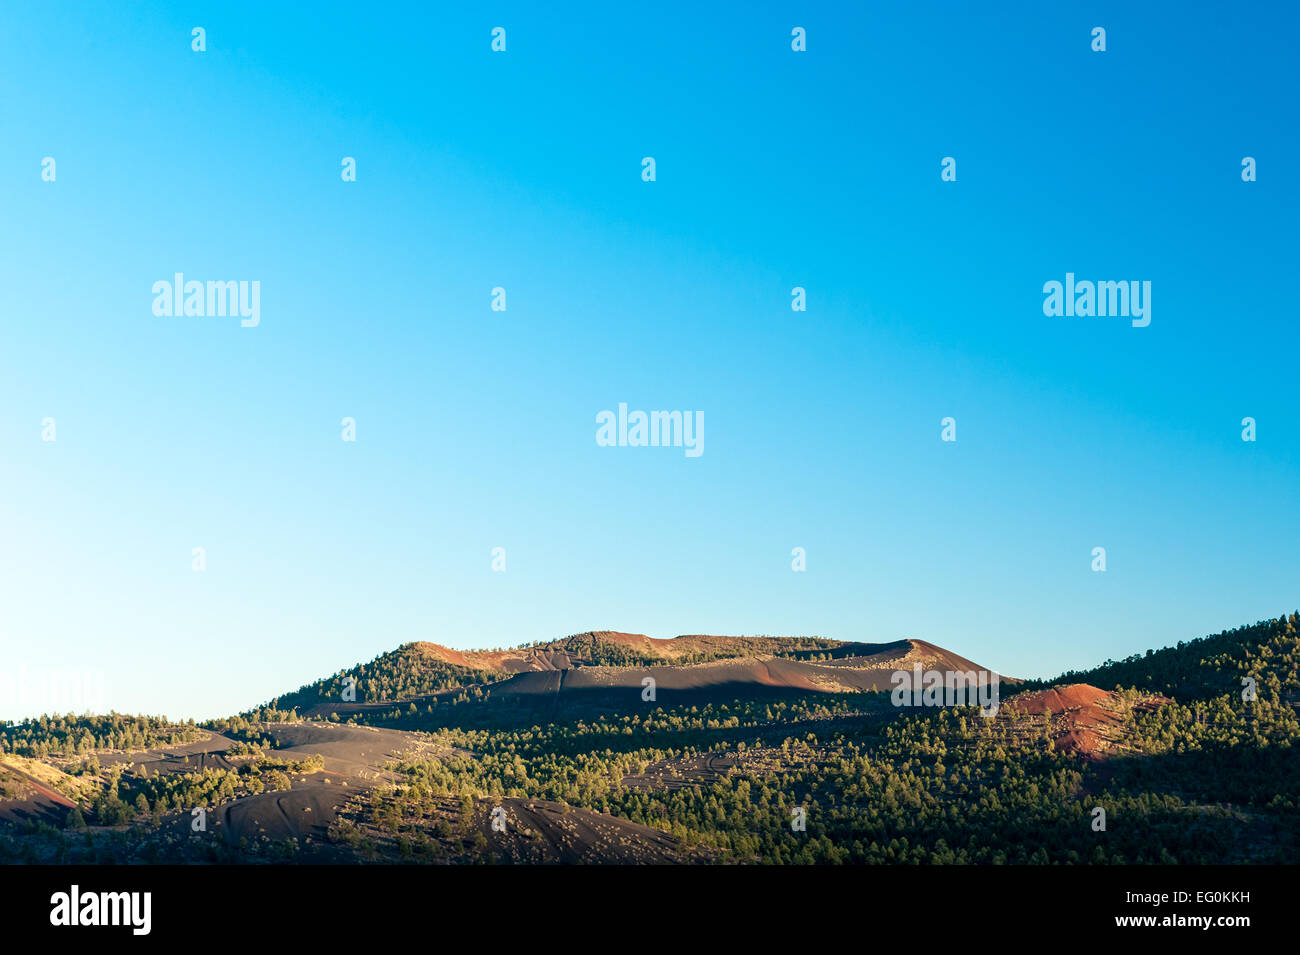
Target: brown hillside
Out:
[1084,719]
[699,666]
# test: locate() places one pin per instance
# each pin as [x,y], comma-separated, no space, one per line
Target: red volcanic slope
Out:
[1085,719]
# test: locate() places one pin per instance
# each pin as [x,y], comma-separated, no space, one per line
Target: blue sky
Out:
[476,428]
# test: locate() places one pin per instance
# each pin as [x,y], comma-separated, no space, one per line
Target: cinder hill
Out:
[1080,718]
[604,666]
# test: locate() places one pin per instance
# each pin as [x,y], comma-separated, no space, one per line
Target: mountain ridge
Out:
[605,662]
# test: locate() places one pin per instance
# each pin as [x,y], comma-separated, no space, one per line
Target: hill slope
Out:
[606,667]
[493,756]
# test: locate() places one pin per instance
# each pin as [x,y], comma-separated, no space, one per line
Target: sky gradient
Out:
[476,428]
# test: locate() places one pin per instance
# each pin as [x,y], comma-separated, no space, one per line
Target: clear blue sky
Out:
[477,428]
